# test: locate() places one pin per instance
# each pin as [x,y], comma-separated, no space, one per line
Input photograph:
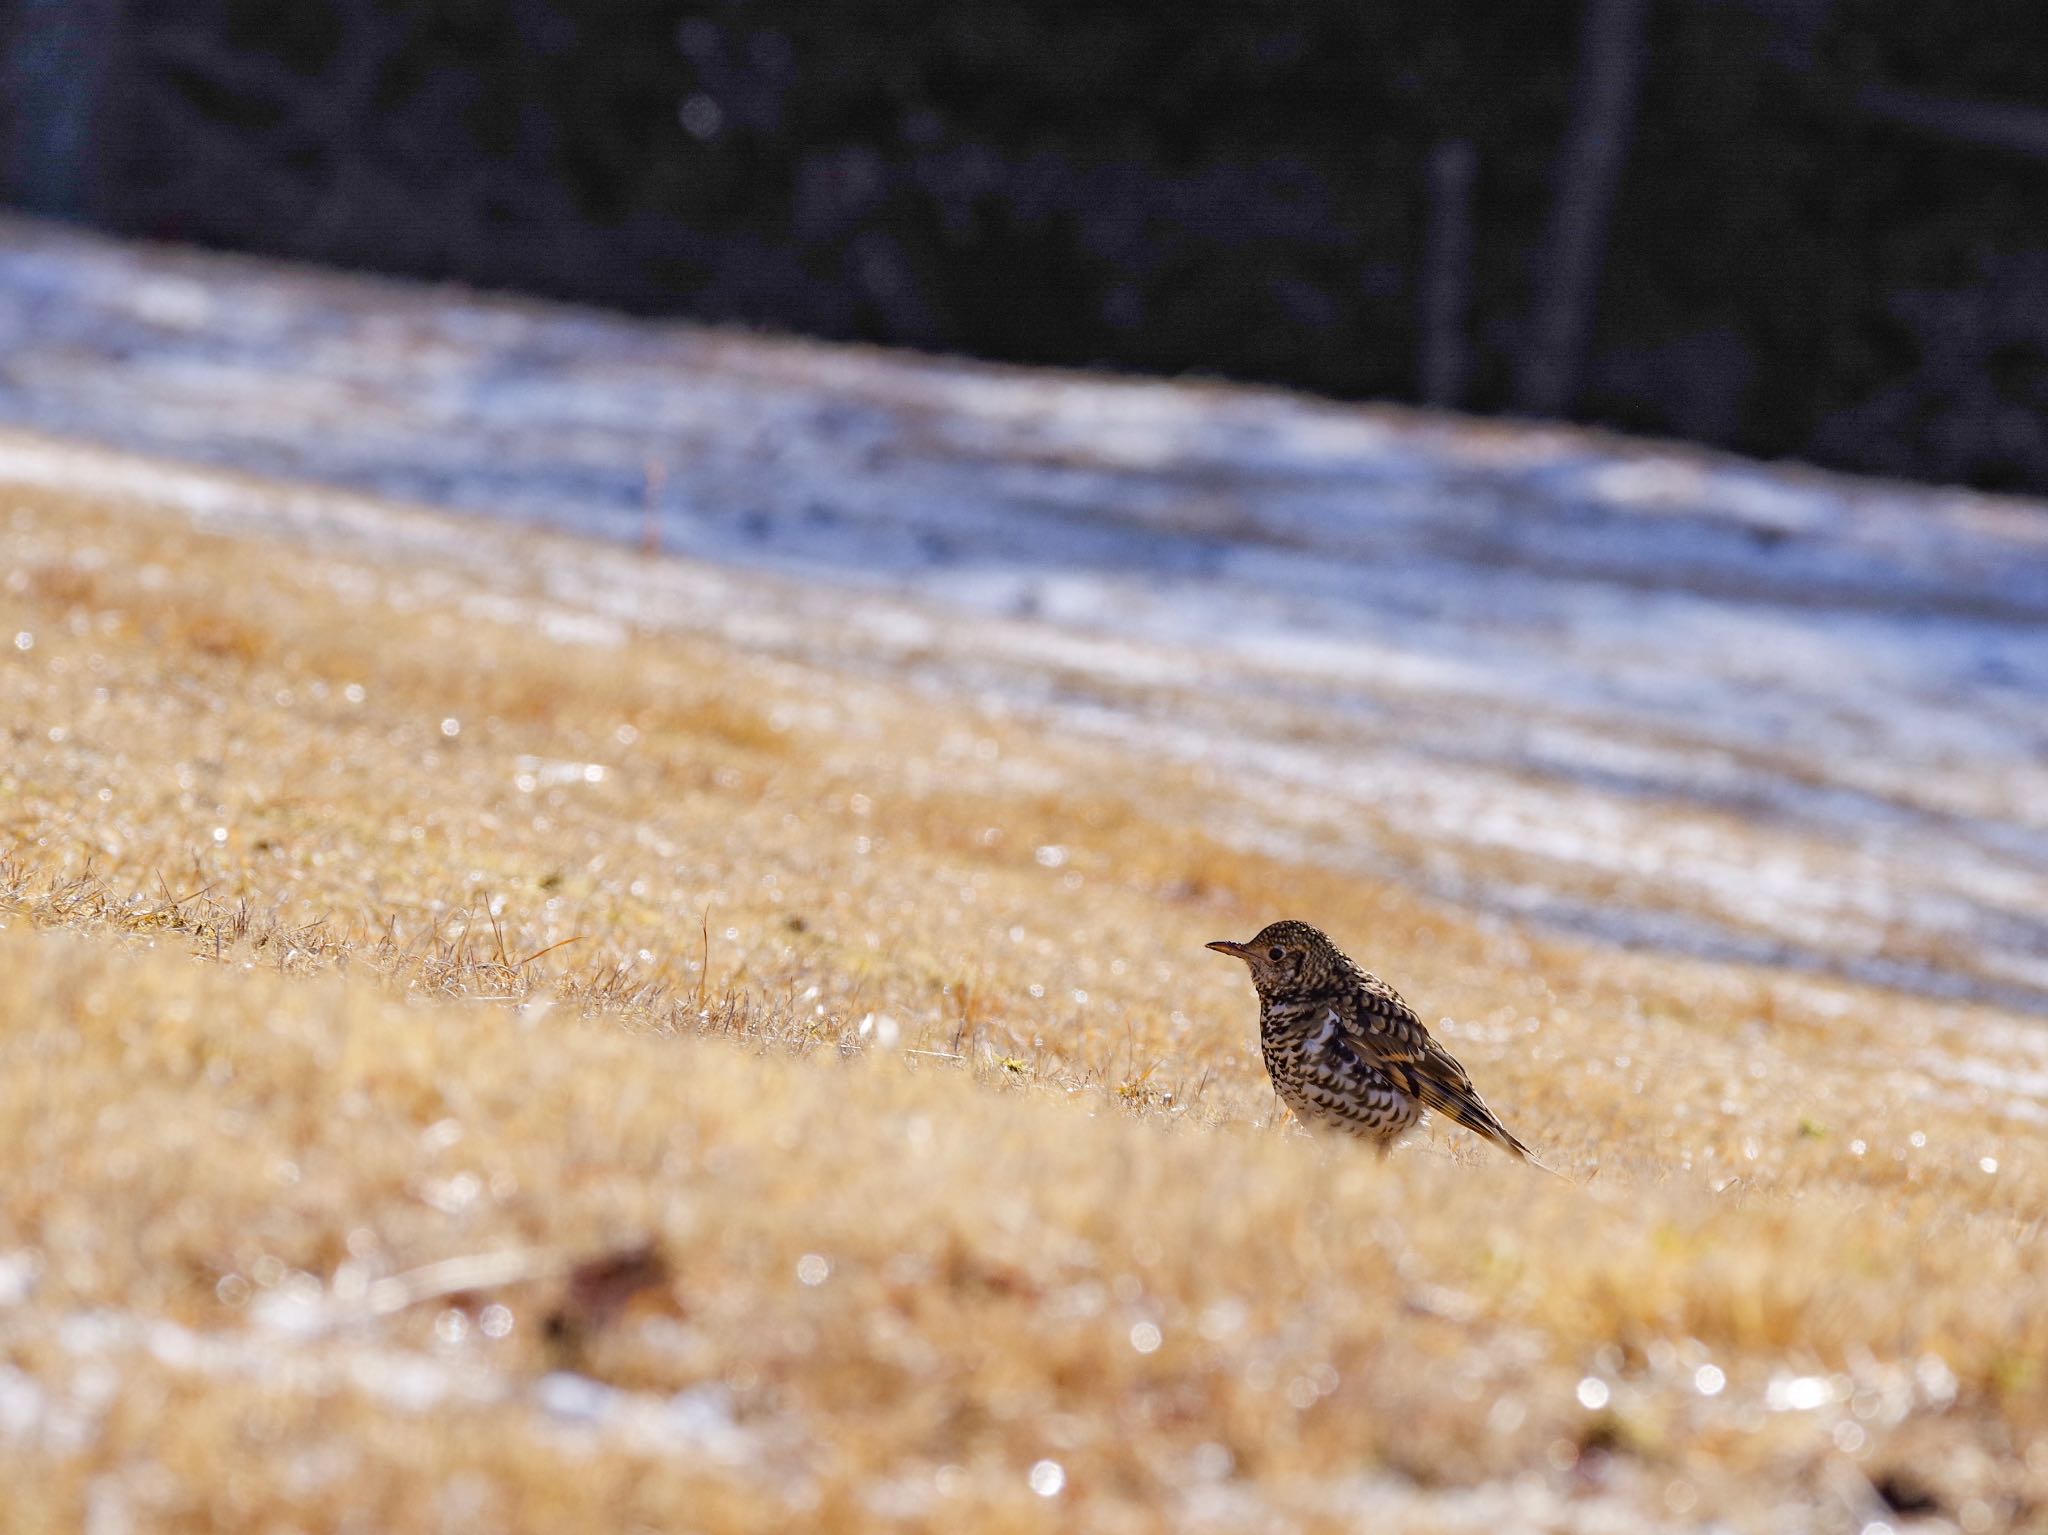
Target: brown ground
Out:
[852,1132]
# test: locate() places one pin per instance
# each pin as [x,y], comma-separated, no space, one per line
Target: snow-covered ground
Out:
[1666,696]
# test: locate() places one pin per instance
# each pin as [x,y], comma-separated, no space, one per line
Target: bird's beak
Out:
[1234,950]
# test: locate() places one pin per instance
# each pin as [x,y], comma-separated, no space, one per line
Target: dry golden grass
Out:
[869,1150]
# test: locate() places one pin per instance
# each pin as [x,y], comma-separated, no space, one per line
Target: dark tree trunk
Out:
[1447,274]
[1611,56]
[57,74]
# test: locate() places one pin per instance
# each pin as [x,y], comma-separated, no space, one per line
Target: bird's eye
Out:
[1276,954]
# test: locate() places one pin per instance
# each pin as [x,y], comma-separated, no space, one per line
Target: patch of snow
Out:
[1702,702]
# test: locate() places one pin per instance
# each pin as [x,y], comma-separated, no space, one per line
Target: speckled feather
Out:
[1345,1052]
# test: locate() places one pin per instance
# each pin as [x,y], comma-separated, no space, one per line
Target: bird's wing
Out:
[1387,1032]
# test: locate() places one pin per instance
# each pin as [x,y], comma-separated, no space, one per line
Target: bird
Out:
[1346,1053]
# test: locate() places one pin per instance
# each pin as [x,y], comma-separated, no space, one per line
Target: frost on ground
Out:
[1666,697]
[504,1032]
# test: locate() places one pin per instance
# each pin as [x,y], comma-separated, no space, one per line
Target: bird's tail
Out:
[1466,1107]
[1507,1140]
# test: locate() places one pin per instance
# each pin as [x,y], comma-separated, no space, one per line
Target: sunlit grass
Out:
[358,924]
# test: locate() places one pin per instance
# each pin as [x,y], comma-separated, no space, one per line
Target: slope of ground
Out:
[476,1059]
[1670,698]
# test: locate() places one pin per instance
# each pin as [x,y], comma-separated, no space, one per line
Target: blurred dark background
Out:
[1793,227]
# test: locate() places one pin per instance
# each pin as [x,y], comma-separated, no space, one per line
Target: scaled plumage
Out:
[1345,1052]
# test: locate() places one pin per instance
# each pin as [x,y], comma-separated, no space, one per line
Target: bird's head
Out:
[1287,958]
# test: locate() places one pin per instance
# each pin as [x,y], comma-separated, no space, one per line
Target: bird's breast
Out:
[1305,1026]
